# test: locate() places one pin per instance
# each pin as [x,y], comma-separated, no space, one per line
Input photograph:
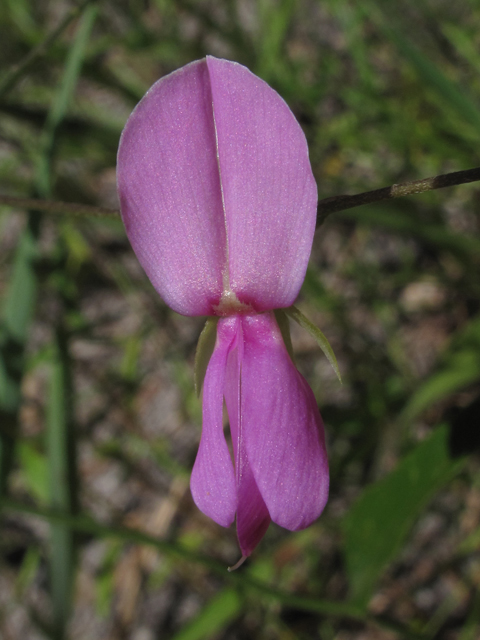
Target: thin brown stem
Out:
[12,76]
[325,206]
[57,207]
[340,203]
[239,579]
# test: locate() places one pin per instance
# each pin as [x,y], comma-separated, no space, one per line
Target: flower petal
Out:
[282,428]
[253,518]
[269,192]
[170,194]
[213,480]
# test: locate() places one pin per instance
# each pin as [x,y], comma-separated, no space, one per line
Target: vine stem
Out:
[57,207]
[325,206]
[239,579]
[340,203]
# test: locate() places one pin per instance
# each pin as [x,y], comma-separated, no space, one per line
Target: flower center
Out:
[230,305]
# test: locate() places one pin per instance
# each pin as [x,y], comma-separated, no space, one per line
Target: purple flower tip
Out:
[219,203]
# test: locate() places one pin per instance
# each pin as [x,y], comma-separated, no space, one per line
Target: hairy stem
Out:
[57,207]
[340,203]
[325,206]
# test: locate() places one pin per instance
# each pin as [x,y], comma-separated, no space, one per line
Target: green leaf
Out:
[62,486]
[131,353]
[460,368]
[275,18]
[105,579]
[378,523]
[463,369]
[471,544]
[14,331]
[20,299]
[21,15]
[35,468]
[315,332]
[78,251]
[214,617]
[463,41]
[28,570]
[206,344]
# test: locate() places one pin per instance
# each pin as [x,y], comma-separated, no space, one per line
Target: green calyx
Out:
[205,346]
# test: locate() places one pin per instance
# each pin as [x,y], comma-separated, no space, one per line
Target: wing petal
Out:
[282,427]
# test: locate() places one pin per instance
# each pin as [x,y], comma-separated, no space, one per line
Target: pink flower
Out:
[219,203]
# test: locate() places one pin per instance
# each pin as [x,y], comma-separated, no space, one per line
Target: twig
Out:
[176,551]
[325,206]
[16,72]
[340,203]
[54,206]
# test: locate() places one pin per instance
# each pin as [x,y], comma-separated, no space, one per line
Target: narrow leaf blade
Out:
[378,523]
[62,489]
[315,332]
[206,344]
[213,618]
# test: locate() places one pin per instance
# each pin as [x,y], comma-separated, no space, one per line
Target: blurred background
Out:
[99,422]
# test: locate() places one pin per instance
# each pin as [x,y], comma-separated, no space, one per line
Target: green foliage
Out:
[61,466]
[35,467]
[206,344]
[460,368]
[377,525]
[450,94]
[17,315]
[214,617]
[99,421]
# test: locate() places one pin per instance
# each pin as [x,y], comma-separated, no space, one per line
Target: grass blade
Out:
[430,74]
[213,618]
[17,314]
[19,70]
[63,99]
[205,346]
[60,441]
[62,483]
[459,369]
